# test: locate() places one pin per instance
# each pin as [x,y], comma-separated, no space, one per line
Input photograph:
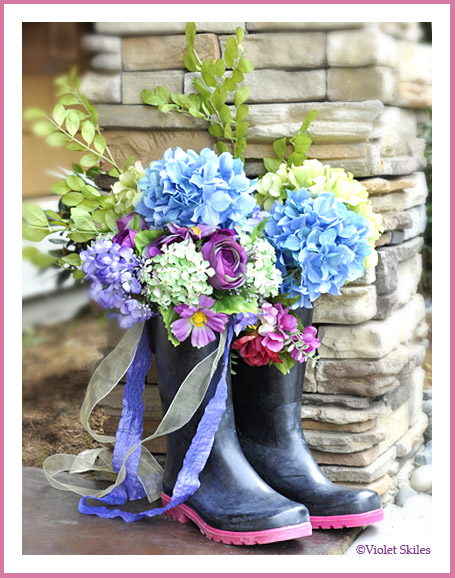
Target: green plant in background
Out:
[213,87]
[84,208]
[300,142]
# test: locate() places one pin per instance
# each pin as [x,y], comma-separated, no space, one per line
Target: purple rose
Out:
[178,234]
[227,257]
[126,234]
[125,238]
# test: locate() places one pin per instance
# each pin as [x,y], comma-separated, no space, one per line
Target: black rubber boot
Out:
[233,504]
[268,417]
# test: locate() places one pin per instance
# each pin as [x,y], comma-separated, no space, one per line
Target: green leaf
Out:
[111,217]
[169,316]
[90,192]
[288,363]
[72,122]
[244,65]
[241,129]
[88,131]
[237,75]
[230,84]
[231,52]
[272,165]
[82,220]
[216,130]
[100,143]
[199,85]
[72,259]
[55,216]
[34,114]
[94,115]
[74,146]
[77,168]
[60,188]
[296,159]
[162,93]
[79,237]
[89,205]
[145,237]
[43,128]
[35,256]
[241,95]
[78,274]
[220,67]
[222,147]
[148,97]
[57,139]
[308,120]
[258,231]
[279,146]
[34,233]
[240,33]
[231,304]
[113,173]
[242,112]
[284,299]
[182,100]
[74,182]
[89,160]
[208,75]
[129,161]
[190,34]
[190,62]
[72,199]
[59,113]
[107,201]
[301,142]
[168,107]
[219,97]
[228,134]
[240,146]
[69,99]
[194,112]
[34,215]
[226,114]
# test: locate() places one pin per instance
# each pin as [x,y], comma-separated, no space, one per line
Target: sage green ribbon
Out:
[105,378]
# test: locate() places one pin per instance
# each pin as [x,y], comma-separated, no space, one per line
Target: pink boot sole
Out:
[346,521]
[185,514]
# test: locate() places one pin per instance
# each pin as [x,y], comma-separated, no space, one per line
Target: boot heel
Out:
[178,515]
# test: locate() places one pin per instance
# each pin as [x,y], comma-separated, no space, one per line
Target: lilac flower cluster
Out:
[320,244]
[113,270]
[187,188]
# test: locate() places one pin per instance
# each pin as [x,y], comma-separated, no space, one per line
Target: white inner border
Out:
[438,560]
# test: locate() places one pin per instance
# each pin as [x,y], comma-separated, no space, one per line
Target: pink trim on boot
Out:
[347,520]
[184,514]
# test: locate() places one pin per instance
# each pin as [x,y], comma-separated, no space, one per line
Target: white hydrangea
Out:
[179,275]
[262,277]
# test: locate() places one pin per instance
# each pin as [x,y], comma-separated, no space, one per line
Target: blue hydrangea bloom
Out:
[320,244]
[187,188]
[113,271]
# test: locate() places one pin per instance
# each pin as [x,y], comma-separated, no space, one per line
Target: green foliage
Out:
[231,304]
[300,142]
[143,238]
[213,87]
[287,364]
[169,316]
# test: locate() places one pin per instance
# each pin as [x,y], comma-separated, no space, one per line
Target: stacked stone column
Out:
[371,83]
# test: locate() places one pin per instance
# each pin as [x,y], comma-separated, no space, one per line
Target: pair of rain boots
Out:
[260,483]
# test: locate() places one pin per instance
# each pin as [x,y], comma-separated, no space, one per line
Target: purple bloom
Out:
[128,227]
[199,321]
[228,258]
[304,343]
[125,238]
[178,234]
[242,320]
[276,324]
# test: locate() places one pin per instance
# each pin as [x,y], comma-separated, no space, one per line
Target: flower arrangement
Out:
[190,237]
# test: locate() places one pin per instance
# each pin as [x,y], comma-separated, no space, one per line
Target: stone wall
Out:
[371,83]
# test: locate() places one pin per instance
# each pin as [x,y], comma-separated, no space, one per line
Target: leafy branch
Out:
[300,142]
[213,87]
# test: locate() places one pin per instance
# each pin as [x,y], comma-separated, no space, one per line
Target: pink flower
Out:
[199,322]
[276,324]
[304,344]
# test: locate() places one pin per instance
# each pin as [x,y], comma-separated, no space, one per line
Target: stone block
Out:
[340,415]
[381,486]
[415,62]
[395,426]
[409,274]
[270,26]
[373,471]
[357,459]
[269,85]
[380,185]
[365,47]
[359,84]
[415,383]
[309,383]
[361,426]
[134,82]
[284,50]
[343,442]
[396,220]
[397,237]
[419,222]
[339,122]
[100,43]
[373,339]
[149,146]
[161,28]
[388,259]
[354,305]
[397,130]
[414,95]
[407,198]
[385,304]
[384,239]
[165,52]
[369,378]
[402,165]
[110,61]
[102,87]
[144,117]
[351,401]
[411,31]
[367,278]
[407,443]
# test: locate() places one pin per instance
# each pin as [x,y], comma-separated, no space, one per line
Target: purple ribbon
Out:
[130,431]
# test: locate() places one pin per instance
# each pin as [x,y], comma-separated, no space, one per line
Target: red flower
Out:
[253,352]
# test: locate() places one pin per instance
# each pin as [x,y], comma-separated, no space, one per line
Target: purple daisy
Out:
[199,321]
